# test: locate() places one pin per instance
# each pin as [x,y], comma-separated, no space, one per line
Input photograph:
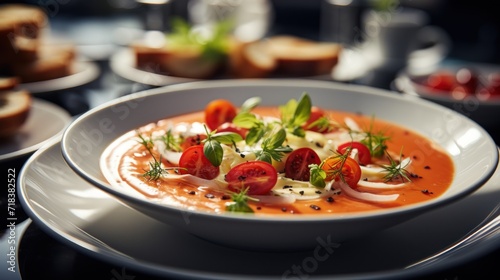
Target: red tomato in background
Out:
[219,111]
[364,155]
[441,80]
[258,176]
[298,161]
[193,161]
[350,170]
[231,127]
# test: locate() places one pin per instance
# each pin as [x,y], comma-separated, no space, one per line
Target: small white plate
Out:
[123,64]
[85,72]
[45,120]
[86,218]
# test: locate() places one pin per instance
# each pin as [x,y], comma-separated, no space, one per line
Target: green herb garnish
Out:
[295,113]
[395,170]
[212,147]
[240,202]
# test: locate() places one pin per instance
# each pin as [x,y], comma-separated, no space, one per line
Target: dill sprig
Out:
[395,170]
[156,170]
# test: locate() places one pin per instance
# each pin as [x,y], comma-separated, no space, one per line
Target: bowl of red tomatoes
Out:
[471,89]
[278,164]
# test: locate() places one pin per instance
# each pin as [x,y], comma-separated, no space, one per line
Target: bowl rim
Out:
[303,218]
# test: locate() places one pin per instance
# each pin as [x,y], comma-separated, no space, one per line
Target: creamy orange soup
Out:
[431,172]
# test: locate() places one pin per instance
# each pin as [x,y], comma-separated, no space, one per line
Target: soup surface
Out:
[402,166]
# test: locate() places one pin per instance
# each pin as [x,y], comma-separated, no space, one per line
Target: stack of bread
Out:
[24,52]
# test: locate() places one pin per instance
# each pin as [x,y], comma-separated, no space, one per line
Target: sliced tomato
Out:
[258,176]
[193,161]
[348,167]
[316,114]
[218,112]
[194,140]
[364,155]
[298,161]
[231,127]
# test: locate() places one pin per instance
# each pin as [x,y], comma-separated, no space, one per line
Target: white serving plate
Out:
[46,120]
[473,152]
[84,217]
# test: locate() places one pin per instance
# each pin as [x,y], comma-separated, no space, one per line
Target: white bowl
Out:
[483,112]
[473,151]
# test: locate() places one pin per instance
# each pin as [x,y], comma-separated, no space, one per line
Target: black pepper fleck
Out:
[330,199]
[192,192]
[315,207]
[225,197]
[427,167]
[283,209]
[209,195]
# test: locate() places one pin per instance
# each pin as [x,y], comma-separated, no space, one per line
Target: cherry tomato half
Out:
[218,112]
[350,170]
[193,161]
[364,155]
[258,176]
[193,141]
[298,161]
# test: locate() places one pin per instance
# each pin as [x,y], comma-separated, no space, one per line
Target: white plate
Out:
[123,64]
[88,219]
[85,72]
[45,120]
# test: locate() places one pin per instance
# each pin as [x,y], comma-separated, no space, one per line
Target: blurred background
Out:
[472,26]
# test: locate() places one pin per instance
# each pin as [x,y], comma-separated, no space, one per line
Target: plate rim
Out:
[87,71]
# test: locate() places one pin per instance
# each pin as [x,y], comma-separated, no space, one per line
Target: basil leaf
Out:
[228,138]
[317,176]
[245,120]
[303,110]
[214,152]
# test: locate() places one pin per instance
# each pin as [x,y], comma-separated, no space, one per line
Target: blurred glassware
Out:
[251,19]
[341,20]
[155,17]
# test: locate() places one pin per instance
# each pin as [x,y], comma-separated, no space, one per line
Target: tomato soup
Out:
[430,174]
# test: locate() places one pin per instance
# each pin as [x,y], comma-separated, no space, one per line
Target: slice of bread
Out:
[52,61]
[283,56]
[251,60]
[8,83]
[14,111]
[301,57]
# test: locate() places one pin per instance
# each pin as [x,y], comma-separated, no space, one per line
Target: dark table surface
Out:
[42,257]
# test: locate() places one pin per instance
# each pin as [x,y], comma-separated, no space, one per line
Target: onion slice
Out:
[380,185]
[365,195]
